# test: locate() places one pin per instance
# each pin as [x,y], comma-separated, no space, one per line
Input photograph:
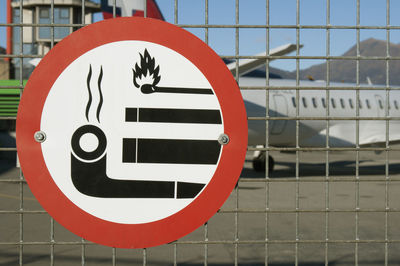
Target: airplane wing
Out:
[376,135]
[35,61]
[371,134]
[247,65]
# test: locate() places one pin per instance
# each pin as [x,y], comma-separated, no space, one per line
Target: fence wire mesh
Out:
[321,204]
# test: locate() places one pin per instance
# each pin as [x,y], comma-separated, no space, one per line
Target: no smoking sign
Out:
[131,132]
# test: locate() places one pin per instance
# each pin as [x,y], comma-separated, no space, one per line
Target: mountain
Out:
[345,70]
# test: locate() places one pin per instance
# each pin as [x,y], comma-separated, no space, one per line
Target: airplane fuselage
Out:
[314,107]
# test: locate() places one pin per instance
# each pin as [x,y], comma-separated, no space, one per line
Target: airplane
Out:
[313,118]
[309,106]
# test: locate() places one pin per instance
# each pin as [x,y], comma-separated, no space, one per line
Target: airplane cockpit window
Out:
[396,105]
[360,104]
[323,102]
[333,103]
[351,103]
[304,102]
[342,103]
[314,102]
[294,101]
[368,105]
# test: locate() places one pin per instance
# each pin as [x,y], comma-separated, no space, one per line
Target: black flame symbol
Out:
[147,68]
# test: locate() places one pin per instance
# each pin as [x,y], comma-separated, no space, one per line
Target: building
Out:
[38,40]
[4,66]
[4,69]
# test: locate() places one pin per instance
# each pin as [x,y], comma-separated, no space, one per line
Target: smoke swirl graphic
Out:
[89,103]
[100,93]
[89,91]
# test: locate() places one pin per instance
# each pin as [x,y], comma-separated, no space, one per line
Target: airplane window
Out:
[380,104]
[304,102]
[314,102]
[360,104]
[368,105]
[323,102]
[294,101]
[396,105]
[351,103]
[342,103]
[333,103]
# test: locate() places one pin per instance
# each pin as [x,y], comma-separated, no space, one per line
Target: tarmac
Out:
[301,216]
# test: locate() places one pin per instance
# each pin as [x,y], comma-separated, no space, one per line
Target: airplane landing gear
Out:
[259,163]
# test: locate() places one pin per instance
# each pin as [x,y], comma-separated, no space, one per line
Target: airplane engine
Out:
[259,162]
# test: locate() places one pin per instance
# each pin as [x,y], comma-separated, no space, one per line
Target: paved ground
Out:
[312,225]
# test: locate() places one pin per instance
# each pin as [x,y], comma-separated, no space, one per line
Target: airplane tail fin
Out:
[127,8]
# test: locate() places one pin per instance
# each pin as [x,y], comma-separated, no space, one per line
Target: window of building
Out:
[61,16]
[16,33]
[44,13]
[64,13]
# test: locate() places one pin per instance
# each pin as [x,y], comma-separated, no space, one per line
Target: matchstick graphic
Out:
[146,77]
[149,88]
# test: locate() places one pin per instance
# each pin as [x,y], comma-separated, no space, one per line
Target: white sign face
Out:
[132,132]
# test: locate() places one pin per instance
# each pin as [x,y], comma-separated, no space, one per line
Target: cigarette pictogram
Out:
[91,179]
[170,115]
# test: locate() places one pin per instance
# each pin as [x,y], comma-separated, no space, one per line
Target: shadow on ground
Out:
[12,258]
[8,159]
[310,169]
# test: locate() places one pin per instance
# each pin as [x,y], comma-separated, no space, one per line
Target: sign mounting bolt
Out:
[223,139]
[40,136]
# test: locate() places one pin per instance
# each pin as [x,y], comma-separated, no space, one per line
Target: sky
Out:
[281,12]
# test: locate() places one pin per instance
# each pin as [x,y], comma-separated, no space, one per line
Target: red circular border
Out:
[131,235]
